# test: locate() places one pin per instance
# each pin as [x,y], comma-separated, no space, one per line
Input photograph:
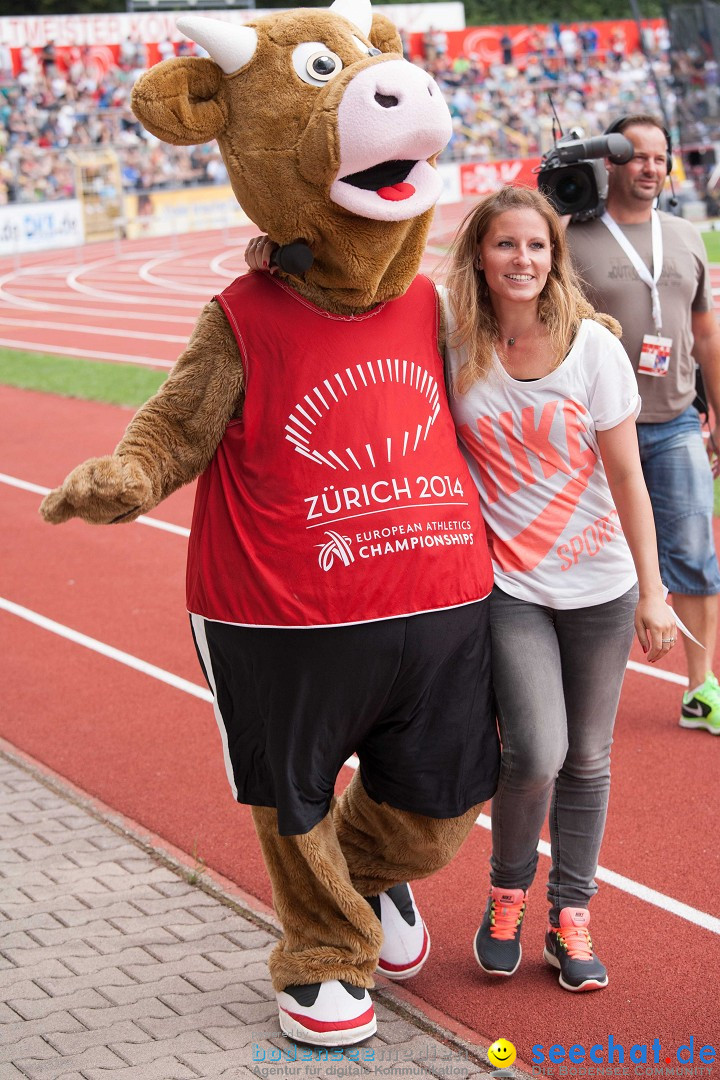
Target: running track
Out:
[101,685]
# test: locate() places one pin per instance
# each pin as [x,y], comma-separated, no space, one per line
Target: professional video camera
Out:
[574,177]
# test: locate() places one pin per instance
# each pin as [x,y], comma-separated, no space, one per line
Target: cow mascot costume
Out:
[337,561]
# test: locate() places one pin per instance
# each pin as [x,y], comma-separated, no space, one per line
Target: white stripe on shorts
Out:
[198,625]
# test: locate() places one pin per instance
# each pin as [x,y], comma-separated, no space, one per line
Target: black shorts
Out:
[411,696]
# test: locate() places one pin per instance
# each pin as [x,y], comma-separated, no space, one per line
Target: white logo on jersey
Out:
[304,428]
[337,547]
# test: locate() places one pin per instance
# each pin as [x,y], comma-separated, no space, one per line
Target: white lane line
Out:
[24,303]
[657,673]
[618,881]
[132,264]
[217,265]
[105,650]
[146,272]
[24,485]
[164,526]
[158,523]
[93,354]
[153,523]
[129,297]
[97,331]
[76,285]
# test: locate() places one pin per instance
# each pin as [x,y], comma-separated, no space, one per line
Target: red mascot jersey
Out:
[340,496]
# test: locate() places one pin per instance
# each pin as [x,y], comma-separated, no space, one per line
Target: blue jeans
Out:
[557,677]
[680,483]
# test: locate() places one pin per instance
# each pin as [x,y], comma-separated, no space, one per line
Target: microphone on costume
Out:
[293,258]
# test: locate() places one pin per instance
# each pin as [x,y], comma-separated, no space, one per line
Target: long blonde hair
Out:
[561,305]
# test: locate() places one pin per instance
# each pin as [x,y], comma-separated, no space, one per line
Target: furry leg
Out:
[384,846]
[330,931]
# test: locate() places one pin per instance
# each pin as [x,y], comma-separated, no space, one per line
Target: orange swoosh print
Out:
[528,548]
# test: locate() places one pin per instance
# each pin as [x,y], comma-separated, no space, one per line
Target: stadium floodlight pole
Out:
[637,15]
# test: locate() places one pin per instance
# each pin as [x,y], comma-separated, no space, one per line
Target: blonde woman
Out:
[544,400]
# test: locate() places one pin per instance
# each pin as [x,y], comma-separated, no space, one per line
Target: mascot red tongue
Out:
[397,192]
[337,565]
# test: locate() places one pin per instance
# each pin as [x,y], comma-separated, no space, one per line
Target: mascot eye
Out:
[322,67]
[315,63]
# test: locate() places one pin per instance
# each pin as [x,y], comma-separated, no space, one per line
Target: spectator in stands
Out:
[6,63]
[569,45]
[584,41]
[166,49]
[618,44]
[48,57]
[435,43]
[550,43]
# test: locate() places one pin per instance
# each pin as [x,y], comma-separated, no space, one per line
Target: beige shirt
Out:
[612,285]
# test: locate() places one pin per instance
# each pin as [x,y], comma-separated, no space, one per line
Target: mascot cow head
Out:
[329,136]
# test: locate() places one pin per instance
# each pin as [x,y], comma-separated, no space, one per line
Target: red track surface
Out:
[152,751]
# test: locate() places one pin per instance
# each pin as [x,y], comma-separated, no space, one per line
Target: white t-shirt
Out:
[554,532]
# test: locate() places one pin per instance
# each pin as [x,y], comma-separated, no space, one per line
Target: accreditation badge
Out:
[655,355]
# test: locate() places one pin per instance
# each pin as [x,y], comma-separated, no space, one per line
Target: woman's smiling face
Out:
[516,255]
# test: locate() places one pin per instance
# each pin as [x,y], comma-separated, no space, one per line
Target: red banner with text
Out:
[482,177]
[484,42]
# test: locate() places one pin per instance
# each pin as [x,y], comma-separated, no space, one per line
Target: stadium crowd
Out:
[500,110]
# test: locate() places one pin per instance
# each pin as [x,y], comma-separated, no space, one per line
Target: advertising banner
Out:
[483,42]
[102,34]
[484,177]
[40,226]
[450,174]
[162,213]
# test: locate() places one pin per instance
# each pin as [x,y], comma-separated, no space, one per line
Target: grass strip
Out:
[91,380]
[711,238]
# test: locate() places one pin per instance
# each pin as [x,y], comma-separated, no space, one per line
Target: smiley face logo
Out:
[501,1054]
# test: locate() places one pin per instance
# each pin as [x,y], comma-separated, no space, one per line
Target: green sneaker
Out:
[701,709]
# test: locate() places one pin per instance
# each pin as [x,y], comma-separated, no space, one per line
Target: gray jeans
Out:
[557,677]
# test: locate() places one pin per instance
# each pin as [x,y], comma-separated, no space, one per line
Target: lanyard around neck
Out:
[642,271]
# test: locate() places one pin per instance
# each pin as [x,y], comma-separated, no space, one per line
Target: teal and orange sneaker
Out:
[497,945]
[569,948]
[701,707]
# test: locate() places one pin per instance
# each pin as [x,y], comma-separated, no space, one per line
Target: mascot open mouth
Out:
[395,190]
[388,180]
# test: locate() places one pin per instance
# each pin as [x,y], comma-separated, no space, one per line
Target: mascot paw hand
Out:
[100,491]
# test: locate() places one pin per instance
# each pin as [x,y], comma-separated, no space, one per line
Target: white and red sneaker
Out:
[333,1013]
[406,942]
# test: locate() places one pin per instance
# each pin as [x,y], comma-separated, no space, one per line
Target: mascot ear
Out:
[384,35]
[178,102]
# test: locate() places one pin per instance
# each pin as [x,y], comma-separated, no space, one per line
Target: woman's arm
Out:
[654,619]
[258,253]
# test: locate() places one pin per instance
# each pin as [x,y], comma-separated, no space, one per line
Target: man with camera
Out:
[649,269]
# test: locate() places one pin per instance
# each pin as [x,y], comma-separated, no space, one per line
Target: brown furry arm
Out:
[175,434]
[169,441]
